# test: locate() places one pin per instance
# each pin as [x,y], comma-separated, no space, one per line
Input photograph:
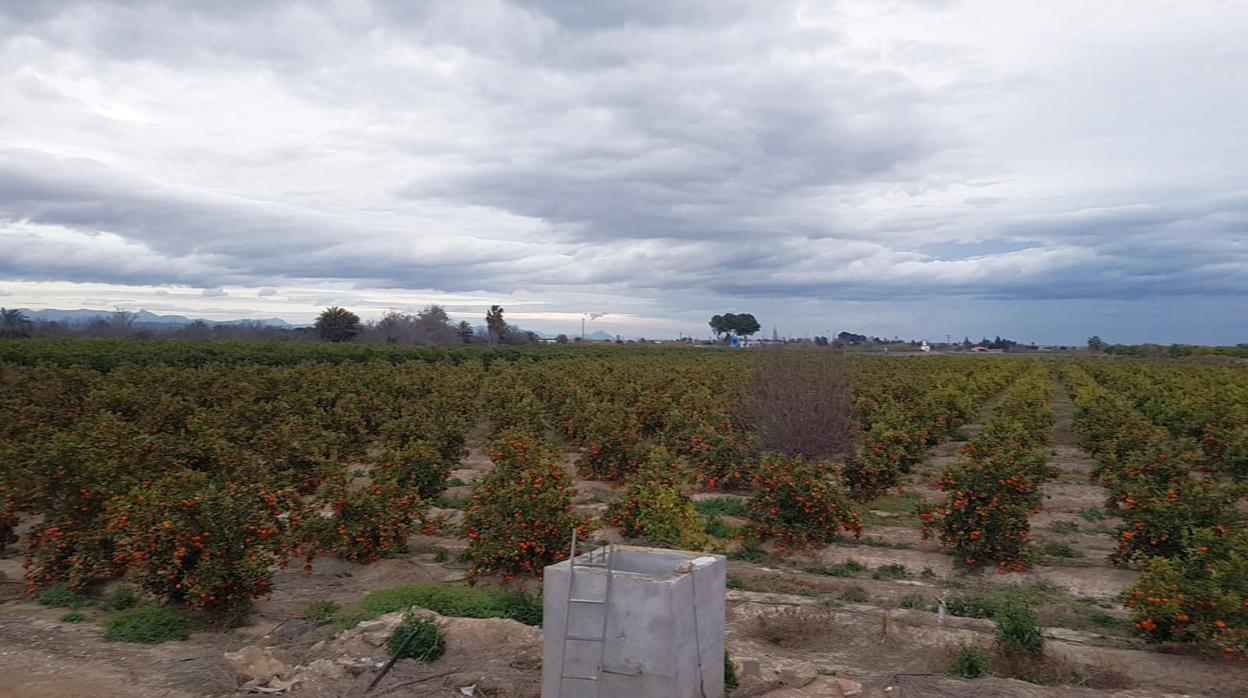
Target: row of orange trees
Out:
[1180,520]
[1206,403]
[197,482]
[996,484]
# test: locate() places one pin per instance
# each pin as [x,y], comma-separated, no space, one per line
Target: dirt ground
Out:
[887,632]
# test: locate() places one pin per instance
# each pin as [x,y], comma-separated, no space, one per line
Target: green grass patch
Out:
[890,572]
[913,601]
[460,602]
[1064,527]
[450,502]
[61,596]
[730,673]
[1110,623]
[895,503]
[720,506]
[73,617]
[748,554]
[734,583]
[151,626]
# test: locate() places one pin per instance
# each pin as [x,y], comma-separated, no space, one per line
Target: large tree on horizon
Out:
[337,325]
[14,324]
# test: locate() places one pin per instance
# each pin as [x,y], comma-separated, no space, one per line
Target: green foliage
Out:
[61,596]
[417,638]
[321,610]
[719,528]
[460,602]
[988,602]
[1018,633]
[73,617]
[971,663]
[734,583]
[656,508]
[730,673]
[749,553]
[891,572]
[151,626]
[1092,515]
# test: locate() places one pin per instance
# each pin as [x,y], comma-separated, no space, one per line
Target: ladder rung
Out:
[580,678]
[593,601]
[595,565]
[584,638]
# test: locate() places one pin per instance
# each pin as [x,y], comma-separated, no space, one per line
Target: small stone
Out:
[849,688]
[684,567]
[256,664]
[798,674]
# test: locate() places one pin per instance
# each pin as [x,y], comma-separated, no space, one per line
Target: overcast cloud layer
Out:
[1042,170]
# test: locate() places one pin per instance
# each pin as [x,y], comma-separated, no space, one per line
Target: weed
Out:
[734,583]
[73,617]
[455,482]
[855,595]
[730,673]
[841,569]
[1092,515]
[748,554]
[890,572]
[913,601]
[718,528]
[927,573]
[321,610]
[1017,632]
[151,625]
[986,603]
[60,596]
[1064,527]
[417,638]
[450,502]
[721,506]
[119,600]
[895,503]
[440,555]
[1056,549]
[971,663]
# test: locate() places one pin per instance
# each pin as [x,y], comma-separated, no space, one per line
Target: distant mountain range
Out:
[142,317]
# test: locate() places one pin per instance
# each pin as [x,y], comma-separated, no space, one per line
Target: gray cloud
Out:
[636,155]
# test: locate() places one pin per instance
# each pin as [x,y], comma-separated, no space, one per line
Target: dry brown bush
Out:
[790,627]
[800,401]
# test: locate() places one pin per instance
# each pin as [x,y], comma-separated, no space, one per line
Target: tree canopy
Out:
[739,324]
[337,325]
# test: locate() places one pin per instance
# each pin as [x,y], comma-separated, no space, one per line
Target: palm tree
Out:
[13,324]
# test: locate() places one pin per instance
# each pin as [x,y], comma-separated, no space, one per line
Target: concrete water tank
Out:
[664,625]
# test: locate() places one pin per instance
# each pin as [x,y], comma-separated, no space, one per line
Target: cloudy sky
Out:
[1044,171]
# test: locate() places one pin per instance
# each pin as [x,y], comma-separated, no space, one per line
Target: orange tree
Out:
[1199,596]
[800,505]
[187,537]
[655,507]
[520,515]
[1159,523]
[364,524]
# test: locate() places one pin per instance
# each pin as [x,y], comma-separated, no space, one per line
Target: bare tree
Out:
[800,401]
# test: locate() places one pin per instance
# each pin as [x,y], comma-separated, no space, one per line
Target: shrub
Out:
[656,508]
[789,627]
[459,602]
[1059,549]
[798,506]
[186,537]
[417,638]
[971,663]
[73,617]
[418,467]
[913,601]
[60,596]
[367,524]
[1017,632]
[520,518]
[321,610]
[855,595]
[730,673]
[841,569]
[147,625]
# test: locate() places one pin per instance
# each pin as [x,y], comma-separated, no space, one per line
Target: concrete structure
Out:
[665,628]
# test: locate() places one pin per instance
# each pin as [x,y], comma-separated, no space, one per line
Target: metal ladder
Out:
[602,562]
